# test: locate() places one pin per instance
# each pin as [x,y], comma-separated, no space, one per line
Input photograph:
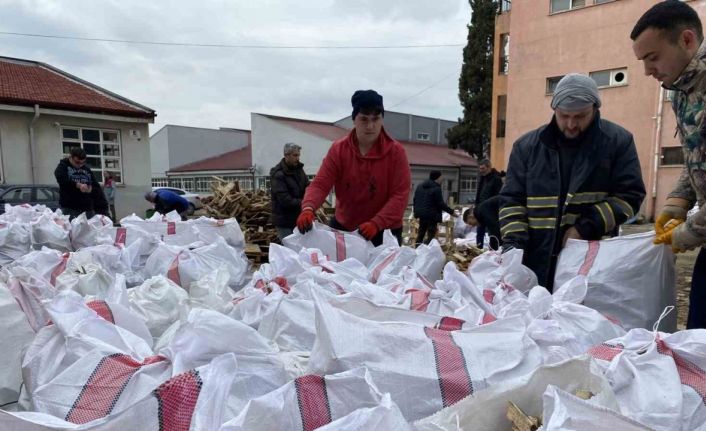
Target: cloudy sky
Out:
[219,87]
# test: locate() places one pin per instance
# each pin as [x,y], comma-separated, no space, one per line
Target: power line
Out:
[225,45]
[419,93]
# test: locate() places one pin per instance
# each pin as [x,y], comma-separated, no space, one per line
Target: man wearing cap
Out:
[370,173]
[577,177]
[428,205]
[287,184]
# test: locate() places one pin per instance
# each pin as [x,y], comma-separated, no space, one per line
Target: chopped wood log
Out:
[520,421]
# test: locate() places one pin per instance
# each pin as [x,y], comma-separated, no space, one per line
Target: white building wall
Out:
[159,152]
[14,146]
[269,137]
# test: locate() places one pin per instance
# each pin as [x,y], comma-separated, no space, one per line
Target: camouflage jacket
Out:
[689,104]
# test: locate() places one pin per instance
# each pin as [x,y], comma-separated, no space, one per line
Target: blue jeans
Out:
[697,297]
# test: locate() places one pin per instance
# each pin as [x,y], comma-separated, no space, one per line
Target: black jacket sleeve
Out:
[281,193]
[513,219]
[491,188]
[622,202]
[439,201]
[100,203]
[62,176]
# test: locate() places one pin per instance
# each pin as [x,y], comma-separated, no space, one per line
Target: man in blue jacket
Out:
[166,201]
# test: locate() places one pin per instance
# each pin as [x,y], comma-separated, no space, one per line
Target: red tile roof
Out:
[232,160]
[418,154]
[27,83]
[436,155]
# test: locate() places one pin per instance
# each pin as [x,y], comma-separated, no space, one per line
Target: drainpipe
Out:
[657,145]
[31,142]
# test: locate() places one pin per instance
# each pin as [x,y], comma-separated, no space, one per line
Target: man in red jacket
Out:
[370,173]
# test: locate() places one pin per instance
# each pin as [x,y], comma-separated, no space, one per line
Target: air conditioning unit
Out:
[618,77]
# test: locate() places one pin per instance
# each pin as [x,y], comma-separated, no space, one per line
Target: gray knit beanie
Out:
[576,92]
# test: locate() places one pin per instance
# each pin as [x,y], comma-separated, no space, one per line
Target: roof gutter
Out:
[31,141]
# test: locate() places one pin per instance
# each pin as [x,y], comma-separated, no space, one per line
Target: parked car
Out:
[193,198]
[32,194]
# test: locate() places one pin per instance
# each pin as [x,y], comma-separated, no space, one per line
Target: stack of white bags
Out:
[161,324]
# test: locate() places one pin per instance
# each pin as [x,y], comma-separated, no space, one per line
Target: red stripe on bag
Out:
[104,387]
[102,309]
[177,399]
[283,284]
[590,258]
[425,281]
[606,352]
[450,324]
[120,236]
[171,228]
[488,318]
[420,299]
[689,373]
[313,402]
[454,381]
[340,247]
[173,272]
[378,269]
[488,295]
[60,268]
[261,285]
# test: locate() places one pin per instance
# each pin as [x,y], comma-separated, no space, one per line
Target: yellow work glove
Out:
[674,209]
[668,235]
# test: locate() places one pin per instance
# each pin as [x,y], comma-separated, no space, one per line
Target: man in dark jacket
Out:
[79,190]
[577,177]
[486,214]
[489,185]
[428,205]
[288,183]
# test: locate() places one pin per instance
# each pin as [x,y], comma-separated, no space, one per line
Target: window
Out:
[264,183]
[552,83]
[668,95]
[562,5]
[423,137]
[602,1]
[504,61]
[467,184]
[610,78]
[19,195]
[672,156]
[160,182]
[201,184]
[44,195]
[505,5]
[502,114]
[103,149]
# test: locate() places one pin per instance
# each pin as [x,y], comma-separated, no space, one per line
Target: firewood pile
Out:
[461,255]
[252,209]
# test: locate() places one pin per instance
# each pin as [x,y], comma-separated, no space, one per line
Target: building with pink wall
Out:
[539,41]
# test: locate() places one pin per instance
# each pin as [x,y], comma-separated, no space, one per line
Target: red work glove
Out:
[305,220]
[368,230]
